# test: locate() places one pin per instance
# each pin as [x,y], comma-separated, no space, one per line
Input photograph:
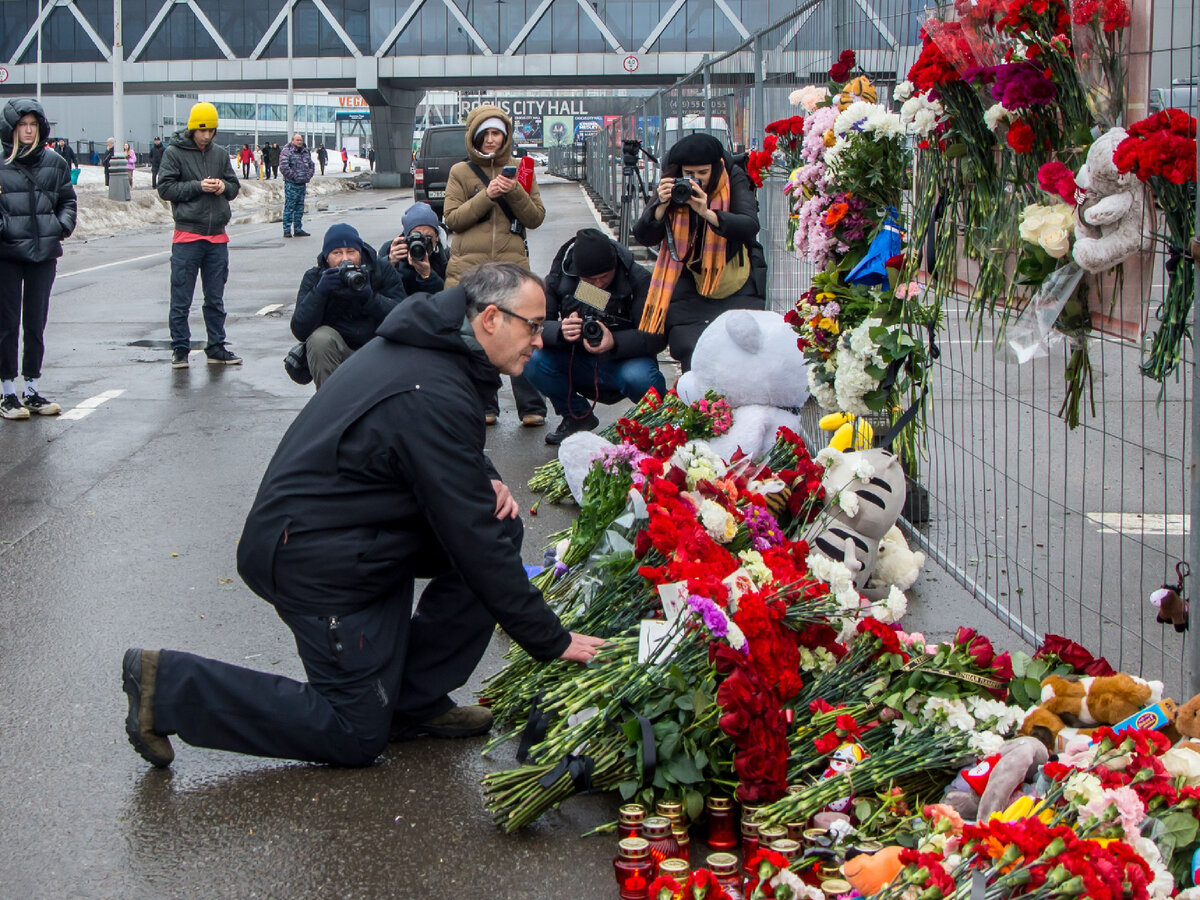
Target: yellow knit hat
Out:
[203,116]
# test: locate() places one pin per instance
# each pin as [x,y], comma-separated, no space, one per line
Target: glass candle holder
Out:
[722,835]
[633,868]
[630,818]
[657,831]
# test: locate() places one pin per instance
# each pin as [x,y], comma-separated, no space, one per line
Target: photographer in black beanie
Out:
[591,348]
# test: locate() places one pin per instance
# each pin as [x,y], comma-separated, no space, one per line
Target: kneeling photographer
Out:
[342,300]
[591,348]
[704,222]
[418,252]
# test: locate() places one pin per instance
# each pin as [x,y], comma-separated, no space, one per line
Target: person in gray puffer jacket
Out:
[37,211]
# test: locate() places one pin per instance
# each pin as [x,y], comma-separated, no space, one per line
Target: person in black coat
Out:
[322,157]
[735,228]
[593,350]
[156,156]
[109,153]
[333,318]
[37,211]
[380,480]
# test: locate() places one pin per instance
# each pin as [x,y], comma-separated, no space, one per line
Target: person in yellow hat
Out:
[198,180]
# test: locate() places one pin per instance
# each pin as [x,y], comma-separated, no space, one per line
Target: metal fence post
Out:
[1192,673]
[707,96]
[758,116]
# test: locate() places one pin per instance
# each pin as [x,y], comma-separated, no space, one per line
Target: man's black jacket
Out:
[623,312]
[354,317]
[184,166]
[383,474]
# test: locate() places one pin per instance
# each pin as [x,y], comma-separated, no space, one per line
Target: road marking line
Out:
[269,308]
[89,406]
[1148,524]
[119,262]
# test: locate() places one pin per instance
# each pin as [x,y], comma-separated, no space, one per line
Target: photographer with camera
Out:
[704,222]
[489,210]
[342,300]
[418,252]
[591,349]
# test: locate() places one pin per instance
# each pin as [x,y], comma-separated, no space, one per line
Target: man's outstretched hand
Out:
[582,648]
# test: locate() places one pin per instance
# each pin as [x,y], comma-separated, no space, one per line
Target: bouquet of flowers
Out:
[1161,151]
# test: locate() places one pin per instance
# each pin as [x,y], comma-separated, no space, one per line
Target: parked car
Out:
[1181,94]
[441,147]
[540,158]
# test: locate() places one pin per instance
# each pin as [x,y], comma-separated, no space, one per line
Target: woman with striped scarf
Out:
[698,240]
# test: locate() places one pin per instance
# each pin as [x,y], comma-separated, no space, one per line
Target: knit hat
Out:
[341,235]
[418,214]
[696,150]
[591,254]
[494,122]
[202,117]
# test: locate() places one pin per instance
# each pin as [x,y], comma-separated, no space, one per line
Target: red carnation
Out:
[1056,178]
[840,70]
[1020,136]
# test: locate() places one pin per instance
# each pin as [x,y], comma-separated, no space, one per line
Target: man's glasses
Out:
[535,328]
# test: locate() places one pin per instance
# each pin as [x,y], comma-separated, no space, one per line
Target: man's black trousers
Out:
[370,673]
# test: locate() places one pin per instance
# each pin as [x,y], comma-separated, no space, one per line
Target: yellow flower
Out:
[830,138]
[1023,808]
[828,324]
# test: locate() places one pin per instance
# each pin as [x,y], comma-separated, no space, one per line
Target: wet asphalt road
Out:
[117,529]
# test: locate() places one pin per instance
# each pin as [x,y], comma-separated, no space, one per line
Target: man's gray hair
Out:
[495,283]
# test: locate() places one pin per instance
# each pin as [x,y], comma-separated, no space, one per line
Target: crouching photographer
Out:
[592,351]
[342,300]
[418,252]
[704,222]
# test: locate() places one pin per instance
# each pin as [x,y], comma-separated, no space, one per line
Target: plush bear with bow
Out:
[1108,222]
[1084,702]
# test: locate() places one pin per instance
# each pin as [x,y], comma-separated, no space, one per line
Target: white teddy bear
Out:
[1108,223]
[895,565]
[750,357]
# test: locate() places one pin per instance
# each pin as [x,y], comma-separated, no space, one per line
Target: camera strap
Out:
[501,202]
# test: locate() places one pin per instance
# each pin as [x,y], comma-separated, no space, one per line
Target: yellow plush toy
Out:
[849,432]
[859,88]
[1083,702]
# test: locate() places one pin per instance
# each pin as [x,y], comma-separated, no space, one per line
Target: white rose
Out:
[1055,241]
[1033,220]
[904,90]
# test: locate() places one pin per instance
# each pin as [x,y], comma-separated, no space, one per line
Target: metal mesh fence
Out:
[1054,530]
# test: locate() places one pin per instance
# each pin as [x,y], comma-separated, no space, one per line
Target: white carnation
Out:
[848,501]
[995,116]
[985,743]
[903,91]
[825,395]
[852,118]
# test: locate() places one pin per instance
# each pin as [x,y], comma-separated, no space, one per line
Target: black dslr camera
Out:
[354,277]
[681,191]
[592,332]
[418,246]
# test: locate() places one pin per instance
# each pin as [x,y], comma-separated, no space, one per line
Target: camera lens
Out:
[592,332]
[417,249]
[681,191]
[354,277]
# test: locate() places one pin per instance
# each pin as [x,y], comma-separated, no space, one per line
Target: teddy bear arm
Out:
[1110,209]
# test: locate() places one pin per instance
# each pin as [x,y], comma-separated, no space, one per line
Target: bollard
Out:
[118,179]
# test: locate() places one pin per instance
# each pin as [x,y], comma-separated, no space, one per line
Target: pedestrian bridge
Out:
[390,51]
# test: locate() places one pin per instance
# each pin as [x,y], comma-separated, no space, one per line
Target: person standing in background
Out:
[322,157]
[371,158]
[37,206]
[345,160]
[156,154]
[245,157]
[275,151]
[198,181]
[296,164]
[109,152]
[130,161]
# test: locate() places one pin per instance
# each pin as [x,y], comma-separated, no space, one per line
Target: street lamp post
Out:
[118,174]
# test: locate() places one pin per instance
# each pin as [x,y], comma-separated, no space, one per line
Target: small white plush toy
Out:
[895,565]
[750,357]
[1108,223]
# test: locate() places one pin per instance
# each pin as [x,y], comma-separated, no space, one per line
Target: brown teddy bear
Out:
[1187,719]
[1084,702]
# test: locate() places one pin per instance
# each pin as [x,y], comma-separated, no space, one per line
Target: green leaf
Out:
[684,771]
[627,789]
[700,758]
[668,746]
[701,701]
[863,810]
[694,801]
[665,727]
[633,731]
[684,701]
[1020,662]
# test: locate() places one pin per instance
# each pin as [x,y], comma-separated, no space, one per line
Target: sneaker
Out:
[458,722]
[179,359]
[533,420]
[11,407]
[223,357]
[568,426]
[302,233]
[39,405]
[287,234]
[139,670]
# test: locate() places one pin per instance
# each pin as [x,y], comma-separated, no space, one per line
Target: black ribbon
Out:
[578,767]
[535,730]
[649,748]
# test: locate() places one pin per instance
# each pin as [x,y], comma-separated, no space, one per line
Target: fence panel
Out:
[1054,530]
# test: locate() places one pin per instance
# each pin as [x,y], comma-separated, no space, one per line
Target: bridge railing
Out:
[1053,530]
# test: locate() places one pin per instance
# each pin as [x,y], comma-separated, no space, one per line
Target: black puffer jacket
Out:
[37,202]
[184,166]
[384,470]
[623,312]
[352,315]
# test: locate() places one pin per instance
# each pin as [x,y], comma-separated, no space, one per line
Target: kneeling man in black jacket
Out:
[342,300]
[382,479]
